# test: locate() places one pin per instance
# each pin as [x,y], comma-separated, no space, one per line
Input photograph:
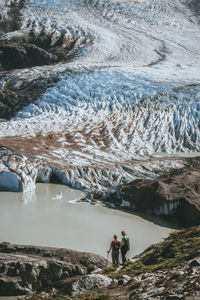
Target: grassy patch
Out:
[61,283]
[109,270]
[90,268]
[91,295]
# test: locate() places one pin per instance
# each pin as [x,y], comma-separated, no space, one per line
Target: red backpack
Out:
[116,245]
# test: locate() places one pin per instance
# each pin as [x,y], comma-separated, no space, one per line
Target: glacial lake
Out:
[37,218]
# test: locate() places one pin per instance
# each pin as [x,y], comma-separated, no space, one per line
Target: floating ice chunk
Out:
[58,196]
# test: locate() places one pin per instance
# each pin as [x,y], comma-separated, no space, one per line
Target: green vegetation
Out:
[62,283]
[90,295]
[109,270]
[90,268]
[178,247]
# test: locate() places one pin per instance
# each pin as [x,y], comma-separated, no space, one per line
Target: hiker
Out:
[115,246]
[125,246]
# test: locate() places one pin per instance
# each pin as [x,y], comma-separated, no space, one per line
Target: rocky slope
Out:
[26,269]
[169,270]
[165,271]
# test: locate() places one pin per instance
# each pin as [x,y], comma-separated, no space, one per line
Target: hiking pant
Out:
[115,257]
[124,250]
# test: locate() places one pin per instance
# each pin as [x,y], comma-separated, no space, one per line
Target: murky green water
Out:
[38,219]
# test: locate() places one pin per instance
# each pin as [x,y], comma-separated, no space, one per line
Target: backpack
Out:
[126,243]
[116,245]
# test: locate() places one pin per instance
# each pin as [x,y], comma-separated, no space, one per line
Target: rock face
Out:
[15,56]
[17,92]
[24,269]
[17,173]
[86,283]
[175,194]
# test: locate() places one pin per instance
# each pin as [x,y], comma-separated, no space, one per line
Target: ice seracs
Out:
[17,173]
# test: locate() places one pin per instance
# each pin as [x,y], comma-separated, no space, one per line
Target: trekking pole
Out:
[107,255]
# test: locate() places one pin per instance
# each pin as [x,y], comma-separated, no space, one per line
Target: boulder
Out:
[122,281]
[195,262]
[12,288]
[86,283]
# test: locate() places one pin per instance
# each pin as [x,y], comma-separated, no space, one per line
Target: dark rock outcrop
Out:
[14,56]
[176,194]
[10,15]
[18,93]
[24,269]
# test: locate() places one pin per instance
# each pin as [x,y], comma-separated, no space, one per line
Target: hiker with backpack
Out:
[125,246]
[115,247]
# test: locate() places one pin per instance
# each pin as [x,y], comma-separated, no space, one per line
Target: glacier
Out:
[127,90]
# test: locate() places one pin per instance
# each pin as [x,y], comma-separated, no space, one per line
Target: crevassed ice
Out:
[147,115]
[152,39]
[109,90]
